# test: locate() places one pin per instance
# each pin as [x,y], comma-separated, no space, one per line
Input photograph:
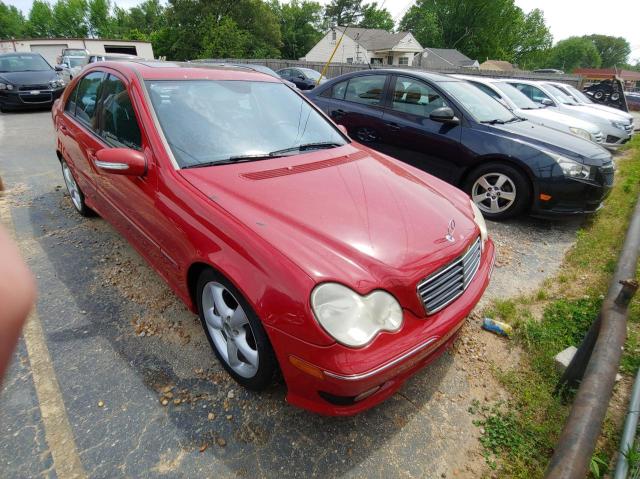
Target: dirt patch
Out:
[19,195]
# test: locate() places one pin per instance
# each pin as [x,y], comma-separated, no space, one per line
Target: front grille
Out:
[442,287]
[612,139]
[33,87]
[40,98]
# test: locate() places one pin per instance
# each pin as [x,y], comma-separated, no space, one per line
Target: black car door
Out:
[411,136]
[357,104]
[300,80]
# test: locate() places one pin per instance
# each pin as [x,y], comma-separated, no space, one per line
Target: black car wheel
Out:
[500,191]
[234,332]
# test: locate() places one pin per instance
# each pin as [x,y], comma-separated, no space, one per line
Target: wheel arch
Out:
[512,162]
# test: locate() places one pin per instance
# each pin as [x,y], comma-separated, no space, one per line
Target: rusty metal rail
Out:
[578,439]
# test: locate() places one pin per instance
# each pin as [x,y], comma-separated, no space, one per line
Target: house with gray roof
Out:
[443,59]
[365,45]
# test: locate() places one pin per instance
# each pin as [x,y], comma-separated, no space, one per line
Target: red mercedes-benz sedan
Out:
[300,249]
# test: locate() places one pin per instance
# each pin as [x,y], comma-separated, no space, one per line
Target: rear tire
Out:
[234,332]
[76,194]
[499,190]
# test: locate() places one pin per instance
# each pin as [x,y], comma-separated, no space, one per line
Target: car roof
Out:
[159,70]
[434,77]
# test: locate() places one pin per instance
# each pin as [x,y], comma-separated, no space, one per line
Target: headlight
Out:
[571,168]
[619,124]
[581,133]
[6,86]
[479,219]
[351,319]
[59,83]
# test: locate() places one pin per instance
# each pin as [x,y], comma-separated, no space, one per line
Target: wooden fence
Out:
[337,69]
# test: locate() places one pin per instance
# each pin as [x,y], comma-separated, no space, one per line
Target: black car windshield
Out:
[521,100]
[23,63]
[560,95]
[207,122]
[480,106]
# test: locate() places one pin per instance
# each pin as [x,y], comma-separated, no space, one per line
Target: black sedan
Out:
[28,81]
[450,129]
[304,78]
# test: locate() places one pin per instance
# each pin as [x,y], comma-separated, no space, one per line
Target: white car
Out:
[616,130]
[585,100]
[523,107]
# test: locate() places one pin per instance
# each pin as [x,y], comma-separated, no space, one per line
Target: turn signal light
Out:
[545,197]
[306,367]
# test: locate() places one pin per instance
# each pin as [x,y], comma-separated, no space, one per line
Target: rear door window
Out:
[87,99]
[118,123]
[366,89]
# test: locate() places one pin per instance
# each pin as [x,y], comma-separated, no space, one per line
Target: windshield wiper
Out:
[306,147]
[493,122]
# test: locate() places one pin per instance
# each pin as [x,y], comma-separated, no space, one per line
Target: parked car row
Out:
[300,249]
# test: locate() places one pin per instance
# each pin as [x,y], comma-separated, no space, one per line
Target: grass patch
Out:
[518,437]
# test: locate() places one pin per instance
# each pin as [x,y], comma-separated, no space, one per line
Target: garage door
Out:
[49,51]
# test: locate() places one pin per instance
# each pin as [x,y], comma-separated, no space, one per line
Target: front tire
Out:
[77,197]
[234,332]
[500,191]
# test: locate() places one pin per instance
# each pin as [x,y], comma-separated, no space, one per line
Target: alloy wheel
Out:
[493,192]
[230,329]
[72,186]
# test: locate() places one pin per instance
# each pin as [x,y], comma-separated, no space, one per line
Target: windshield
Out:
[75,62]
[480,106]
[578,94]
[23,63]
[521,100]
[208,122]
[314,75]
[559,95]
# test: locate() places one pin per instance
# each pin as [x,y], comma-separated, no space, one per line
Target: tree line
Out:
[189,29]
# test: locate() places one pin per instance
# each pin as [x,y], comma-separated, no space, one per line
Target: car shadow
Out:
[207,416]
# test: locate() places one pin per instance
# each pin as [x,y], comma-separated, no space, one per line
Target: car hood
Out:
[569,121]
[29,78]
[556,141]
[611,110]
[594,110]
[348,214]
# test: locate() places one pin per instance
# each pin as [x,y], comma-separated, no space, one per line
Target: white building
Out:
[365,45]
[50,48]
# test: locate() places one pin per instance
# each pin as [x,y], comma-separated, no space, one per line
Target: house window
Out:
[376,61]
[333,35]
[403,60]
[390,60]
[350,60]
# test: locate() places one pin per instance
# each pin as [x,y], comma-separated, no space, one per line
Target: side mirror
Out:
[343,129]
[121,161]
[547,102]
[58,68]
[301,77]
[444,114]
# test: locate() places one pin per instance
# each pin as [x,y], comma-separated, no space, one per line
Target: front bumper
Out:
[570,197]
[382,366]
[16,99]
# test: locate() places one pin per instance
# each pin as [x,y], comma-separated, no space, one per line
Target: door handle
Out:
[392,125]
[63,128]
[338,113]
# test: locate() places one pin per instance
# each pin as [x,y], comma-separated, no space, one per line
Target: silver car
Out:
[616,130]
[523,107]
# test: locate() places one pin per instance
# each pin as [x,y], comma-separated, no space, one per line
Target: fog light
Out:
[306,367]
[545,197]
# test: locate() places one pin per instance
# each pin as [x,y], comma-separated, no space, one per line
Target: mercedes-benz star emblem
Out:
[452,227]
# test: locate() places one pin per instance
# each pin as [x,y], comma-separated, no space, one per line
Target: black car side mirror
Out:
[444,114]
[301,77]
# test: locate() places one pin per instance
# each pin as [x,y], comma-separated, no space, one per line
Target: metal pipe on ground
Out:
[578,438]
[629,431]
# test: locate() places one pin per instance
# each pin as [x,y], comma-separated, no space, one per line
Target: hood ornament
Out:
[452,227]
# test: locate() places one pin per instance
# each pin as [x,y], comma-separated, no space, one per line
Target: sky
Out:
[565,18]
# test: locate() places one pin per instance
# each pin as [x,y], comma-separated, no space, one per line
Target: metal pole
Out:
[331,57]
[578,439]
[630,425]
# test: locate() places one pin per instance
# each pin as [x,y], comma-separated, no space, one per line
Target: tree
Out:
[69,18]
[574,52]
[225,40]
[533,43]
[300,26]
[40,22]
[375,17]
[100,22]
[613,50]
[343,12]
[480,29]
[12,23]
